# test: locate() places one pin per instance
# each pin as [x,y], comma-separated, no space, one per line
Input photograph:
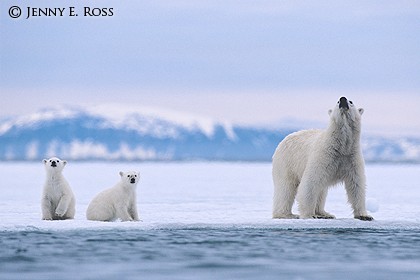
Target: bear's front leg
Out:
[63,205]
[356,193]
[133,212]
[47,213]
[307,197]
[122,213]
[320,213]
[310,190]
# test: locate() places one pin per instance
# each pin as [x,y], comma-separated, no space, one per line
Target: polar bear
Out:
[58,202]
[118,202]
[307,162]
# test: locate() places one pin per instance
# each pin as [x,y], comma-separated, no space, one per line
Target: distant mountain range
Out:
[124,133]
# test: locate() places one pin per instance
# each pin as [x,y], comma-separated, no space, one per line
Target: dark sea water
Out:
[210,253]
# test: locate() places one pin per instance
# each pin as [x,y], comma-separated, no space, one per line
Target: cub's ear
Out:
[64,162]
[361,110]
[121,173]
[329,112]
[44,161]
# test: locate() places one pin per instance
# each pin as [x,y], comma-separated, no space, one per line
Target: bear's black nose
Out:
[343,103]
[53,164]
[132,180]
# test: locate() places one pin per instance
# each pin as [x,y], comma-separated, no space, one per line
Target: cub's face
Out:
[130,177]
[346,111]
[54,164]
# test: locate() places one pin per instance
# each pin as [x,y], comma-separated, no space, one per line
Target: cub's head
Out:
[54,164]
[130,177]
[346,112]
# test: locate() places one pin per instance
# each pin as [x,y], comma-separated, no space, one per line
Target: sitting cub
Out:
[118,202]
[58,201]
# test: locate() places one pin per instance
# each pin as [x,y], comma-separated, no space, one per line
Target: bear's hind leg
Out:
[284,196]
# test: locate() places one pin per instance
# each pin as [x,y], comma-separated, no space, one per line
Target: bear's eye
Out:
[351,102]
[128,176]
[58,161]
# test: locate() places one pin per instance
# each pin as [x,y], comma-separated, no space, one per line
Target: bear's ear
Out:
[329,112]
[121,173]
[44,161]
[361,110]
[64,162]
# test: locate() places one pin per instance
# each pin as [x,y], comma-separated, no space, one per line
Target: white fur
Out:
[307,163]
[58,202]
[118,202]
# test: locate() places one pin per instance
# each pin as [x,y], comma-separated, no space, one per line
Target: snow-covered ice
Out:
[212,219]
[202,193]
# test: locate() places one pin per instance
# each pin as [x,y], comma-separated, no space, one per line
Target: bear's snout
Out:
[132,180]
[343,103]
[54,164]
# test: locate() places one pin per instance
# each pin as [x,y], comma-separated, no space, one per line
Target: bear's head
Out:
[345,112]
[54,164]
[130,177]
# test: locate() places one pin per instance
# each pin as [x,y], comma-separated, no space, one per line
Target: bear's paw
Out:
[364,218]
[324,216]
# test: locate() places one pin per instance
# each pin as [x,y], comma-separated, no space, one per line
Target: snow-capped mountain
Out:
[128,133]
[109,132]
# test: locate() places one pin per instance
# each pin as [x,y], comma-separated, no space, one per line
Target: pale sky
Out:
[249,62]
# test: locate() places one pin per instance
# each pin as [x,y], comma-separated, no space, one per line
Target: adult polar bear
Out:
[307,162]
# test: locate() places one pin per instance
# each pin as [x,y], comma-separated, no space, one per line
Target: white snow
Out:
[372,205]
[203,194]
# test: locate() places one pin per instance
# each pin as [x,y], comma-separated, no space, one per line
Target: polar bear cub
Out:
[307,163]
[118,202]
[58,202]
